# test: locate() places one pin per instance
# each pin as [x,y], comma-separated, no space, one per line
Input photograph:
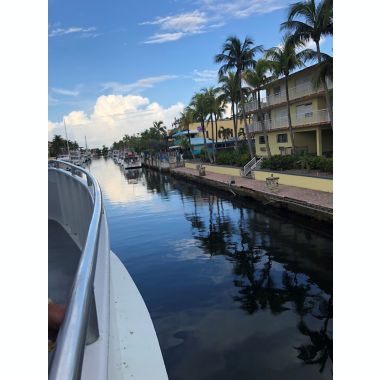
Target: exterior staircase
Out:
[250,166]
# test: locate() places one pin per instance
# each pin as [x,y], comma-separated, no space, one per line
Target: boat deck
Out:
[64,256]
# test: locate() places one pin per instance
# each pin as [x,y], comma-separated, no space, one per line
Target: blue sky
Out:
[115,66]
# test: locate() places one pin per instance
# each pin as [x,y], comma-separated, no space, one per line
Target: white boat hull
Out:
[137,355]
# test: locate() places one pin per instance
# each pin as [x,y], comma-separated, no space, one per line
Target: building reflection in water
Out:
[267,275]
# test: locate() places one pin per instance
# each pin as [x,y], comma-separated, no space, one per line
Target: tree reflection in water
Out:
[320,347]
[270,260]
[249,245]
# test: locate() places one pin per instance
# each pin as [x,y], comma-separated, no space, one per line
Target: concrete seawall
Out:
[302,205]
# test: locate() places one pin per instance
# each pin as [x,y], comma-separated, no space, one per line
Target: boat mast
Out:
[67,141]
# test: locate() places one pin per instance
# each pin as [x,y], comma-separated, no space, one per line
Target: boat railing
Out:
[79,326]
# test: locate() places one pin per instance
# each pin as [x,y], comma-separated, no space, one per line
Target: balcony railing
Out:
[312,117]
[296,92]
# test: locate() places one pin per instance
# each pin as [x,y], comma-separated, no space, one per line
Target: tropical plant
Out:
[308,21]
[324,72]
[186,146]
[284,59]
[57,145]
[241,132]
[104,151]
[199,107]
[230,92]
[185,120]
[239,56]
[212,107]
[221,132]
[257,78]
[160,128]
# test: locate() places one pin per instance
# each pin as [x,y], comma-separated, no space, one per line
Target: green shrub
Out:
[328,165]
[308,162]
[203,155]
[242,159]
[278,162]
[187,155]
[232,157]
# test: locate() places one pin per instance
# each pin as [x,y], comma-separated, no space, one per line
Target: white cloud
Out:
[62,91]
[205,76]
[112,117]
[177,26]
[210,15]
[185,22]
[159,38]
[242,8]
[148,82]
[82,32]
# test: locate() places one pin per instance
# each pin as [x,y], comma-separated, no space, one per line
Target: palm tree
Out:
[221,132]
[57,144]
[219,109]
[239,56]
[257,79]
[241,132]
[317,23]
[212,106]
[185,120]
[160,128]
[229,132]
[230,93]
[199,109]
[284,59]
[324,72]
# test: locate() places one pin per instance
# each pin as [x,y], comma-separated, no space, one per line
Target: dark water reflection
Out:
[234,293]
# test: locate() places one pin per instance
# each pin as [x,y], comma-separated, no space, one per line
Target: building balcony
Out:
[300,120]
[297,92]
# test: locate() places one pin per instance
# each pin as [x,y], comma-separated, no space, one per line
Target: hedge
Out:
[308,162]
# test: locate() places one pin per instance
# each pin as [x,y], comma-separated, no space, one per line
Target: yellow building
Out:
[309,115]
[223,124]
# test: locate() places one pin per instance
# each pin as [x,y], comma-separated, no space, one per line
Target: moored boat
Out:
[132,161]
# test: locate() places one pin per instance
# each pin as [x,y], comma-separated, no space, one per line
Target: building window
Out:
[277,91]
[303,81]
[261,139]
[304,110]
[282,138]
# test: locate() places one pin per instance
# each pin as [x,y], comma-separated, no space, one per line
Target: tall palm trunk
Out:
[216,128]
[212,136]
[235,124]
[289,116]
[188,136]
[204,139]
[242,102]
[263,125]
[327,95]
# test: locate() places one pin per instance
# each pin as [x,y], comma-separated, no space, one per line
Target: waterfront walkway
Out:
[312,198]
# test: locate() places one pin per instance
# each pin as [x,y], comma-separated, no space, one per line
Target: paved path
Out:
[312,197]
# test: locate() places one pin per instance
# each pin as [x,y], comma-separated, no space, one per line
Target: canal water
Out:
[234,292]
